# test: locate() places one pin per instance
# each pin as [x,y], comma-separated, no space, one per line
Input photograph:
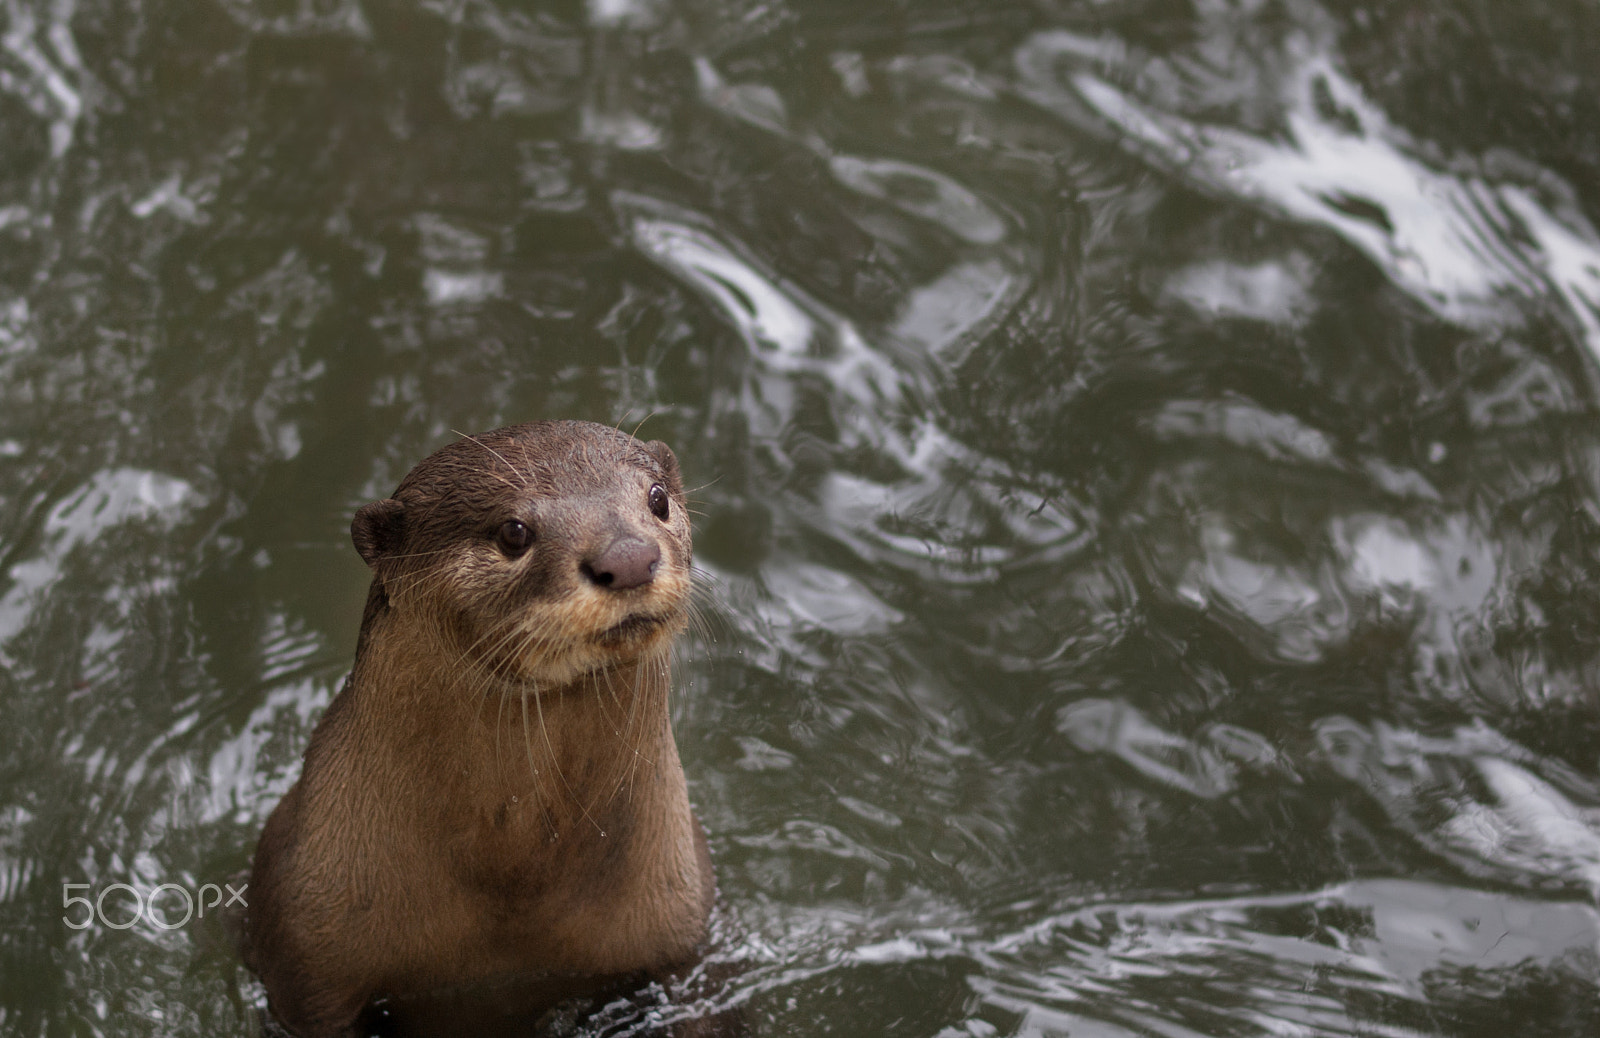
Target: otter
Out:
[494,799]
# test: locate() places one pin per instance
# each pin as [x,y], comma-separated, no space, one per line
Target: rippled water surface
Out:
[1148,461]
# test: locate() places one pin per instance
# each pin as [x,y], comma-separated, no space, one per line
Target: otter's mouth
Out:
[631,628]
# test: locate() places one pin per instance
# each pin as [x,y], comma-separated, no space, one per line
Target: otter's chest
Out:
[606,893]
[523,856]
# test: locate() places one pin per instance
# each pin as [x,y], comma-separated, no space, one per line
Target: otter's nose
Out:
[625,562]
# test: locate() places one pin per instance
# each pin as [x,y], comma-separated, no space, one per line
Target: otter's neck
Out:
[568,805]
[571,750]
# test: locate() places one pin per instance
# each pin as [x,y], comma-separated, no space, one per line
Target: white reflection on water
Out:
[1293,610]
[1468,245]
[923,193]
[446,288]
[335,17]
[1476,798]
[977,513]
[1273,435]
[1446,573]
[948,314]
[954,307]
[753,103]
[17,866]
[766,316]
[1209,765]
[1301,964]
[1365,958]
[169,197]
[1486,804]
[1272,290]
[240,785]
[38,65]
[828,599]
[111,497]
[953,513]
[457,259]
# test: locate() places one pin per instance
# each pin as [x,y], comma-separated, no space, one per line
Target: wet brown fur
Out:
[495,794]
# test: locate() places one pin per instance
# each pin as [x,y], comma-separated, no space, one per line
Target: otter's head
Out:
[537,552]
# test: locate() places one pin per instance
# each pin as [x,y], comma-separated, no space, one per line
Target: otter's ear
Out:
[669,461]
[378,529]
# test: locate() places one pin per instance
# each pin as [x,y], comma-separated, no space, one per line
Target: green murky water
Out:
[1151,477]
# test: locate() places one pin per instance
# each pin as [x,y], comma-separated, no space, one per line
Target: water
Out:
[1147,460]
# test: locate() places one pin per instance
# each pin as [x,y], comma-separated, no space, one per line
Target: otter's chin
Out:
[633,637]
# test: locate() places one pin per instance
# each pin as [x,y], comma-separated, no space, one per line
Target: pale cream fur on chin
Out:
[581,618]
[542,673]
[545,665]
[581,651]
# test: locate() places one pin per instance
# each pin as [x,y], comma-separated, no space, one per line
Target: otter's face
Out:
[537,552]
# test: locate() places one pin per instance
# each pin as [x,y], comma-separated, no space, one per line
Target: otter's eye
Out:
[514,537]
[658,501]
